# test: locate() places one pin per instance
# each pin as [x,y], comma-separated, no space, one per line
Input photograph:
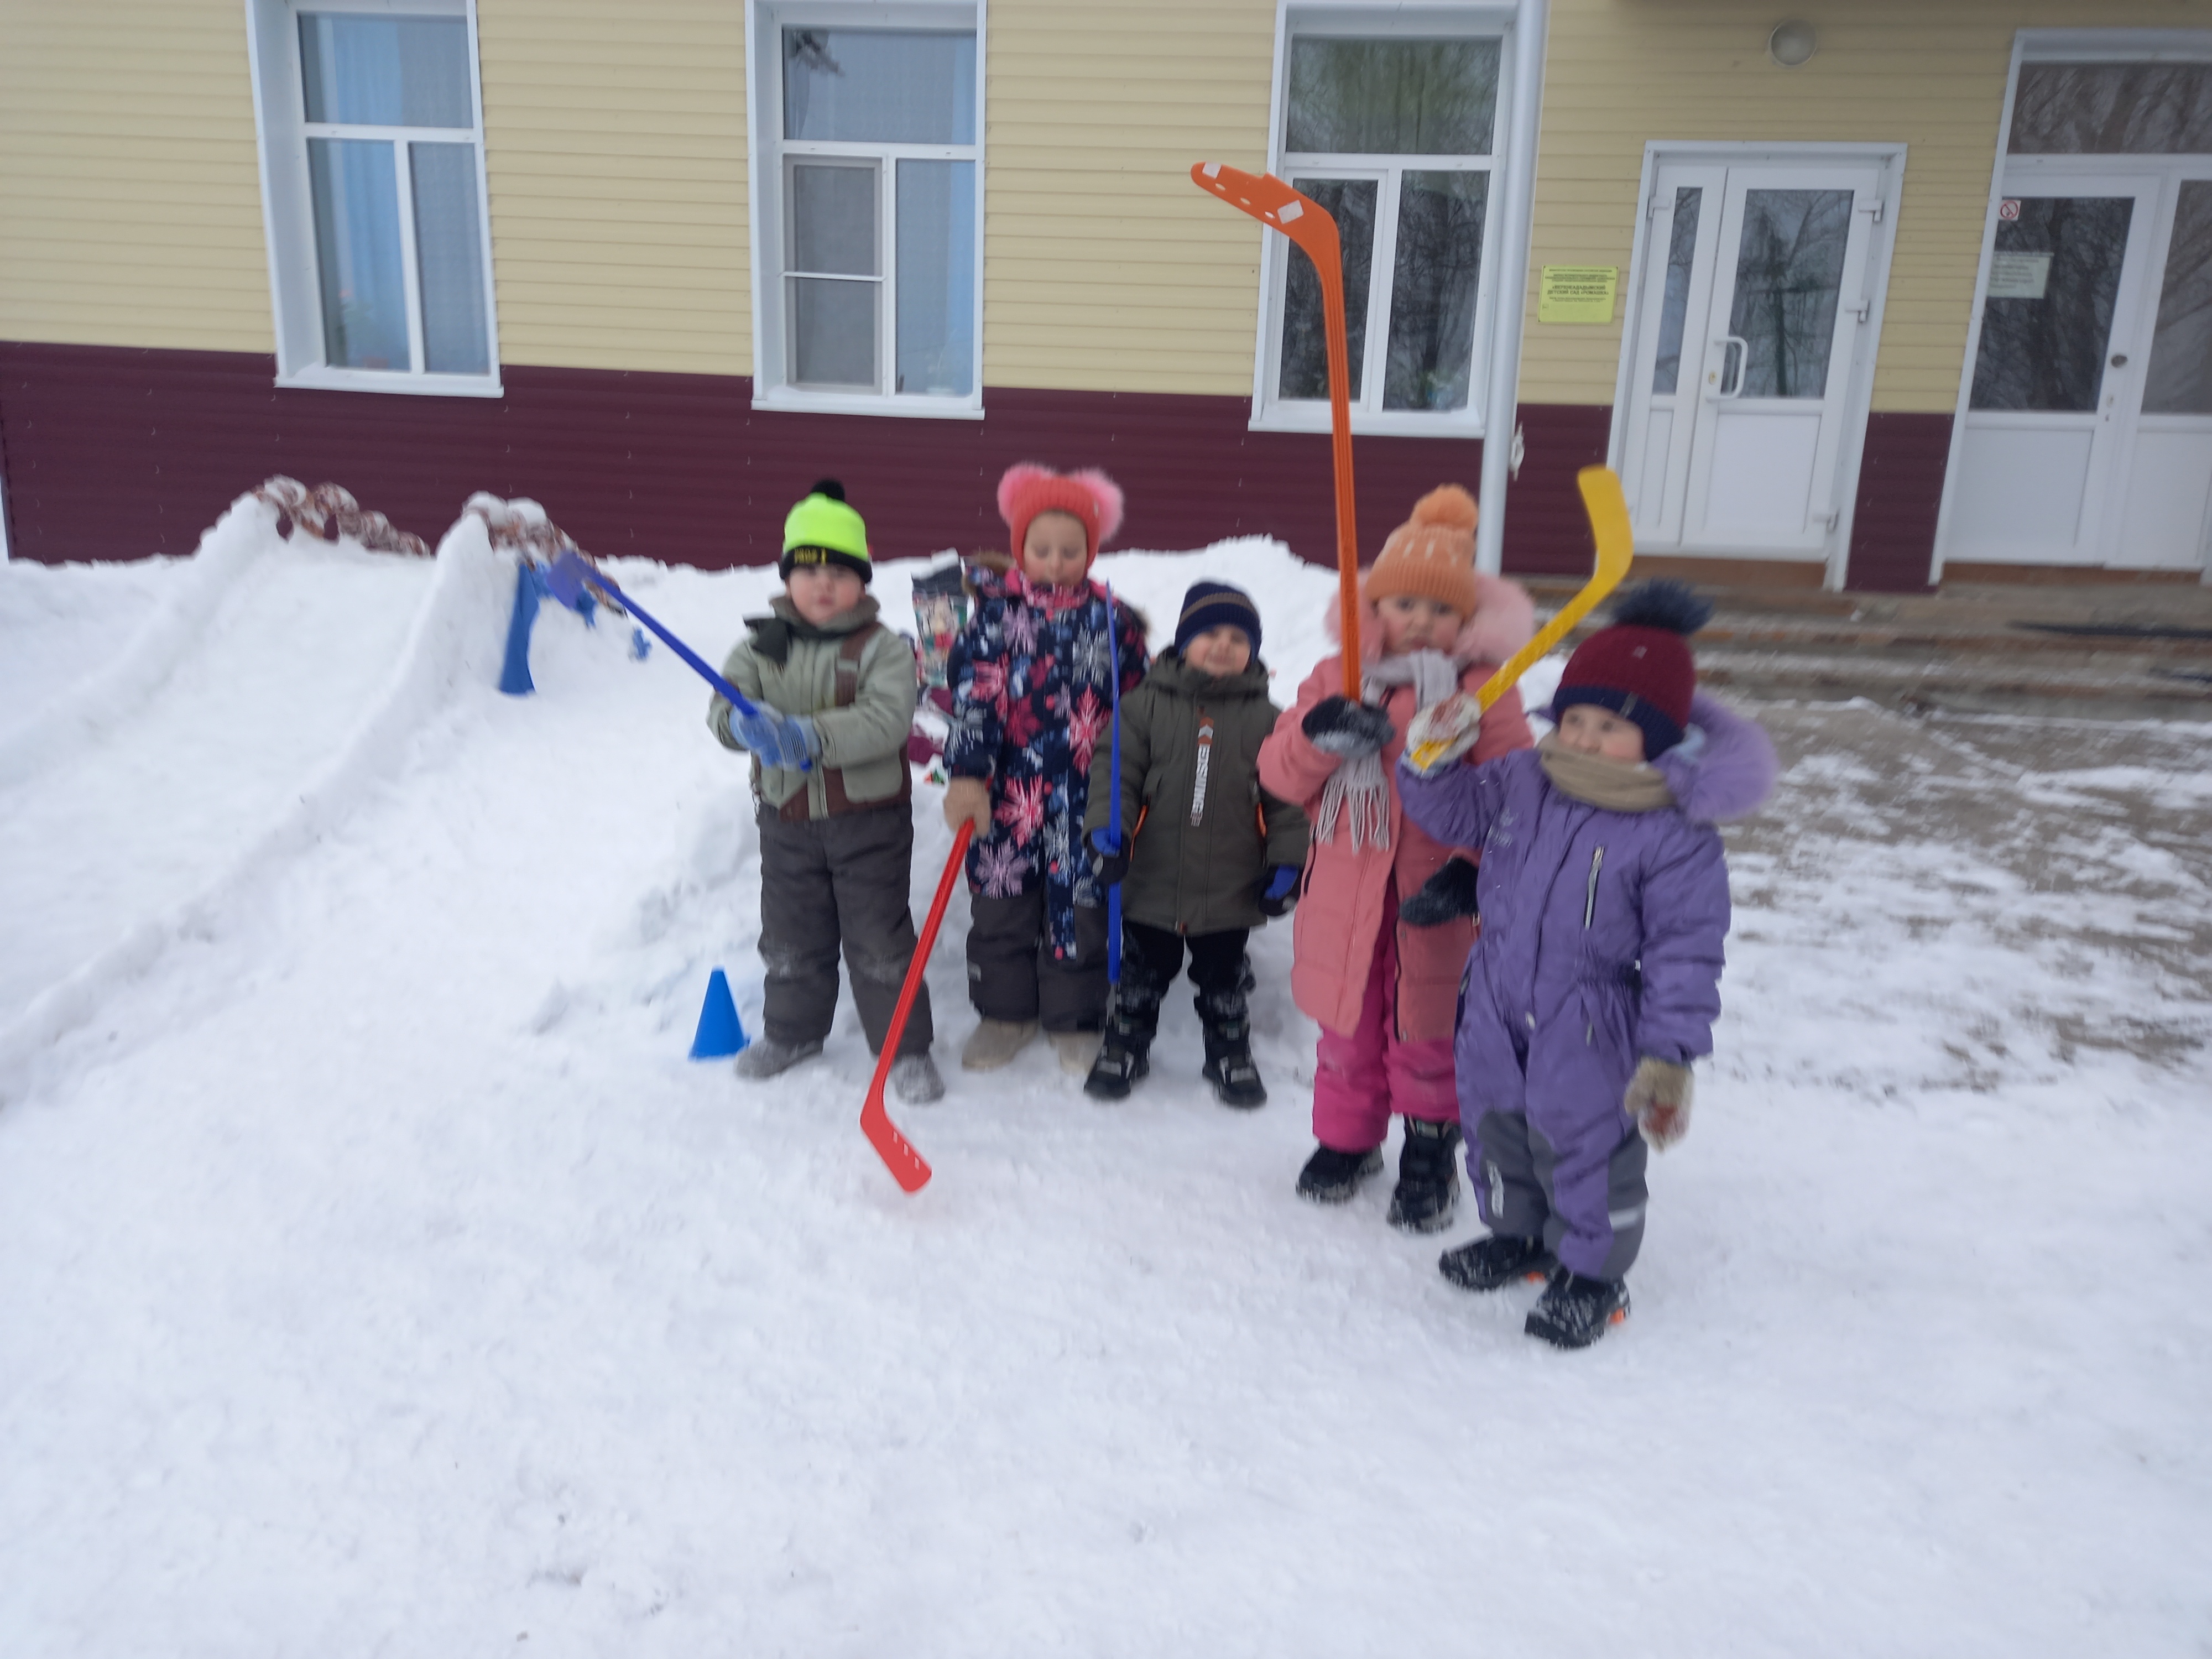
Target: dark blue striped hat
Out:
[1217,604]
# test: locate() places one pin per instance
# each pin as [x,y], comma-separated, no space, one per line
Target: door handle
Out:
[1728,388]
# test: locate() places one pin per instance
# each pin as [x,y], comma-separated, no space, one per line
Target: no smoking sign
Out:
[2009,208]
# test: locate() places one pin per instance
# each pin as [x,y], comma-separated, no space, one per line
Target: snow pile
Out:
[382,1278]
[244,720]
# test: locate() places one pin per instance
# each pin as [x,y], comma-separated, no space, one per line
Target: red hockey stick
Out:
[1308,223]
[908,1167]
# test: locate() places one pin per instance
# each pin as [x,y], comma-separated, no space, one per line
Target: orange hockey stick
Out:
[1308,223]
[908,1167]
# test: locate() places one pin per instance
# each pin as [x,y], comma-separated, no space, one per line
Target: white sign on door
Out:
[2019,275]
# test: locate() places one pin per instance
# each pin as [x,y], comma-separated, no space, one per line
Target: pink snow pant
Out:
[1361,1080]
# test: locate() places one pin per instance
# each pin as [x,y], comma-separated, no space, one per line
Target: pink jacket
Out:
[1340,913]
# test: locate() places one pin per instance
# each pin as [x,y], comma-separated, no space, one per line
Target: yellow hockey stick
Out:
[1616,546]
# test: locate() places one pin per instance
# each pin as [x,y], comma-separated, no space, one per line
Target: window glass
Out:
[879,86]
[2179,381]
[1392,97]
[834,334]
[364,289]
[833,217]
[1435,272]
[385,71]
[1681,251]
[936,278]
[2112,109]
[2048,314]
[449,259]
[1351,203]
[1788,276]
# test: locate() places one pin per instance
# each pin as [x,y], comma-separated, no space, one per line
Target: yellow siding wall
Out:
[130,185]
[1104,267]
[1930,76]
[615,151]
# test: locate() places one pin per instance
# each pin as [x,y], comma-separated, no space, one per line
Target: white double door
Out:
[1746,378]
[2087,437]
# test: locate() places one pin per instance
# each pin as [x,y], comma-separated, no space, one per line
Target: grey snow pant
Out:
[1012,975]
[1588,1209]
[839,880]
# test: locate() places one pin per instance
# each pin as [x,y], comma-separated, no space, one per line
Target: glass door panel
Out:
[2054,278]
[1788,272]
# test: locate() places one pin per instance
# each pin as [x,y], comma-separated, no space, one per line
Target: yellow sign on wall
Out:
[1576,294]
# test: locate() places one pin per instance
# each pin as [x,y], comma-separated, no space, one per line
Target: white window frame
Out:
[1497,20]
[768,230]
[287,209]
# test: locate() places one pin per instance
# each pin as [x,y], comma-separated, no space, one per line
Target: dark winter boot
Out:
[1428,1178]
[1126,1054]
[1227,1018]
[1574,1312]
[1332,1177]
[1491,1263]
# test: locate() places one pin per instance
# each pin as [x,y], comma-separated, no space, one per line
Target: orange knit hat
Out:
[1432,555]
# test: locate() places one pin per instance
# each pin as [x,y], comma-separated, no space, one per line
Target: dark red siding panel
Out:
[1900,487]
[115,454]
[1546,533]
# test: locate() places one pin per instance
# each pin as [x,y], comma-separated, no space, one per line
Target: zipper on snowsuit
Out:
[1204,765]
[1589,900]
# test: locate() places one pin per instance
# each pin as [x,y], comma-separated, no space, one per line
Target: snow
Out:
[381,1278]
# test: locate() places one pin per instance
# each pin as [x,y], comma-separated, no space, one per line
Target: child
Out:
[1604,898]
[1204,856]
[1383,994]
[1032,688]
[835,693]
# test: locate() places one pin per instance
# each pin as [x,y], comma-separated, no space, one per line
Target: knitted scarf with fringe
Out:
[1358,791]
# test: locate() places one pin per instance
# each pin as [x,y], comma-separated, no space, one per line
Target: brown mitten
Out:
[1658,1098]
[967,799]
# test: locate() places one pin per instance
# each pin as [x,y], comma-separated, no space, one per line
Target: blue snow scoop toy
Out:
[568,579]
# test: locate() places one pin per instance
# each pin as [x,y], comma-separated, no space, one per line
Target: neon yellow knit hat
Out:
[822,530]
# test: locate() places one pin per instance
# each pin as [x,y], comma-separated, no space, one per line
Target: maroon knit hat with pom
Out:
[1639,668]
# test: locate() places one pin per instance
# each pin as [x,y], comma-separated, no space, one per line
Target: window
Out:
[372,150]
[1396,134]
[867,239]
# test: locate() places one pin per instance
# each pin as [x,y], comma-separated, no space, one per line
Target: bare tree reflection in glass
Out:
[1351,203]
[1436,269]
[1788,275]
[2046,350]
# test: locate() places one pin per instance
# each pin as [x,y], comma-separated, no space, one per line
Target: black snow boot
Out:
[1574,1312]
[1428,1178]
[1227,1018]
[1491,1263]
[1332,1177]
[1126,1054]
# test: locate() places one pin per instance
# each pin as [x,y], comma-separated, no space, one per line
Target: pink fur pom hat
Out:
[1089,496]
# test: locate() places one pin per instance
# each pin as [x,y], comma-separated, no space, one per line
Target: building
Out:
[1864,295]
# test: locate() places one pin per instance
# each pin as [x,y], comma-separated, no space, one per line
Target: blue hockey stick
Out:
[1114,811]
[569,575]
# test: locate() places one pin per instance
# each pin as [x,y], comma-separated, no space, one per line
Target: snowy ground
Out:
[378,1277]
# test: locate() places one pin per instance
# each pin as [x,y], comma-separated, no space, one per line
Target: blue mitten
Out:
[1279,889]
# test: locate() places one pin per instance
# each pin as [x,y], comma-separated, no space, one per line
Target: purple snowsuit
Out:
[1600,945]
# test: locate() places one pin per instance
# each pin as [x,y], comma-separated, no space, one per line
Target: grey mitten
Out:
[1658,1098]
[1445,897]
[1337,726]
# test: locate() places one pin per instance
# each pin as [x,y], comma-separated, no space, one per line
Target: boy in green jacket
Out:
[835,692]
[1205,854]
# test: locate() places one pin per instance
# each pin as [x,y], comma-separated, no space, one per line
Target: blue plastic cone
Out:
[721,1033]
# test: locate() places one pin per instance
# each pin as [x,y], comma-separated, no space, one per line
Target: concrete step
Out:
[2110,651]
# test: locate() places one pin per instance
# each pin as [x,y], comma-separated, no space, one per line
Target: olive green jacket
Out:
[789,664]
[1198,862]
